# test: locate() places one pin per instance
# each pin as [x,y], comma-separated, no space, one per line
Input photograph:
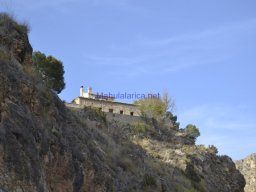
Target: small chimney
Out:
[81,91]
[89,90]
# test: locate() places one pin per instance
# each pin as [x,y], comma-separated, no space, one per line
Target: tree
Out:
[169,103]
[156,107]
[192,131]
[51,71]
[151,107]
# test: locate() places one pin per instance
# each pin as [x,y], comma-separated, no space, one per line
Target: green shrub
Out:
[148,181]
[201,148]
[173,119]
[3,55]
[126,164]
[192,131]
[177,125]
[140,128]
[155,155]
[212,149]
[95,113]
[55,131]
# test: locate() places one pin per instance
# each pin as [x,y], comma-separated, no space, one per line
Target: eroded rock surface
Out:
[247,167]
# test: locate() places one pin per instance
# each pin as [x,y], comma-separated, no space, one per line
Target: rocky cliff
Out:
[247,167]
[47,147]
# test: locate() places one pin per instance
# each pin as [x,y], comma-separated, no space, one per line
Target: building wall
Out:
[110,117]
[124,118]
[108,106]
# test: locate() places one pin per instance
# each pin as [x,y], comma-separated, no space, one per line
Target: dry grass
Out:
[9,22]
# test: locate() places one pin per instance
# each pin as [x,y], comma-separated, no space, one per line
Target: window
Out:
[121,112]
[131,113]
[110,110]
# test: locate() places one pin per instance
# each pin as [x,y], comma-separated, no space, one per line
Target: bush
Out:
[3,55]
[140,128]
[149,181]
[173,119]
[94,113]
[126,164]
[213,149]
[192,131]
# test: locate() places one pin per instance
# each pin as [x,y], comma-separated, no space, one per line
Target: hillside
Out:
[247,166]
[45,146]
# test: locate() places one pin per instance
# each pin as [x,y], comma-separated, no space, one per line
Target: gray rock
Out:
[247,167]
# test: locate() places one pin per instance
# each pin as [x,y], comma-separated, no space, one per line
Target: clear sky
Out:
[202,52]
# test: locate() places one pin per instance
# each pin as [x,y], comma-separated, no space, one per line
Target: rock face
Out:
[46,147]
[247,167]
[43,147]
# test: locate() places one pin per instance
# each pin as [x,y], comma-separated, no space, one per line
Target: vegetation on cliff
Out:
[51,71]
[156,107]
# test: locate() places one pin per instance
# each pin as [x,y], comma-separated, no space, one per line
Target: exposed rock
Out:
[247,167]
[14,38]
[228,177]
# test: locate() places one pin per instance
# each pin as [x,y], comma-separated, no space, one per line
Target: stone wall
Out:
[108,106]
[123,118]
[110,117]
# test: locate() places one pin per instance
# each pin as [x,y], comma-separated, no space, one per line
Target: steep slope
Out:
[247,167]
[45,146]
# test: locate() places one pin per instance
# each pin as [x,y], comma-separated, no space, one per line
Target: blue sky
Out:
[202,52]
